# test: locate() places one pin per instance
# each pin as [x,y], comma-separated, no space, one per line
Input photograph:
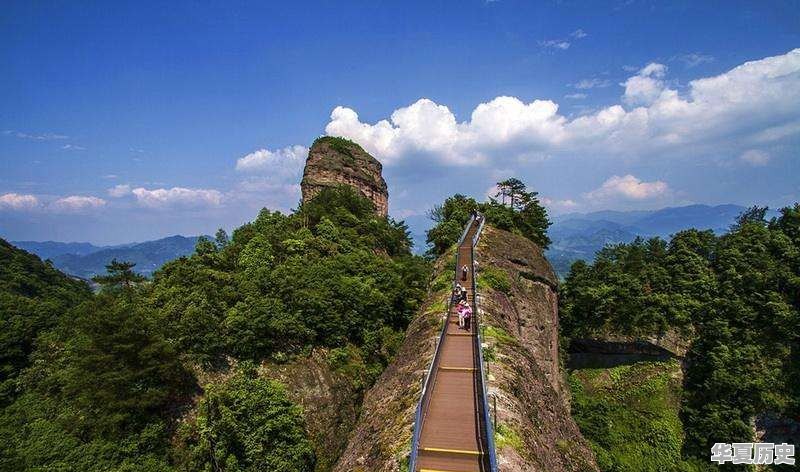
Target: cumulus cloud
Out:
[756,101]
[77,203]
[628,187]
[288,160]
[18,202]
[119,190]
[646,86]
[177,197]
[754,157]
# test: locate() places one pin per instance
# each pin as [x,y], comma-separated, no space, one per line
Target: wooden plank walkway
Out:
[450,437]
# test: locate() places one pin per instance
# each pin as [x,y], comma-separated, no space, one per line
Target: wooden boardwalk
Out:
[450,439]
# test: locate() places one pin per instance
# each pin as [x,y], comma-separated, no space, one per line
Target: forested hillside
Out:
[735,297]
[33,297]
[165,374]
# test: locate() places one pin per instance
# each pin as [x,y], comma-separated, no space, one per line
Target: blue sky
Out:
[132,122]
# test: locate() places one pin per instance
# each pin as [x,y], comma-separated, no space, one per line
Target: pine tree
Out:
[120,275]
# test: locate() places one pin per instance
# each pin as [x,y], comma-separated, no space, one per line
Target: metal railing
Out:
[429,379]
[487,421]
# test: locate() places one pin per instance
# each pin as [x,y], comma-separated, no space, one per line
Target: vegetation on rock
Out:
[737,295]
[518,211]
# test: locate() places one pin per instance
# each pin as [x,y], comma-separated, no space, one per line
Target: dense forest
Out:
[111,380]
[735,297]
[106,381]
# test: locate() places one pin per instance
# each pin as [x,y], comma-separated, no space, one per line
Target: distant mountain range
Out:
[580,235]
[574,235]
[87,260]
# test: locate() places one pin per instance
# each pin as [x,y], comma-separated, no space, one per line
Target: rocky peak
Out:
[336,161]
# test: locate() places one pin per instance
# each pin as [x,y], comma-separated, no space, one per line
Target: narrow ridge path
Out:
[450,439]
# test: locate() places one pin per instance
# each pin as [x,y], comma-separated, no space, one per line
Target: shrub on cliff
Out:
[518,211]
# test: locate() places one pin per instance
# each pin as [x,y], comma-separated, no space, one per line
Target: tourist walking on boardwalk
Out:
[457,293]
[461,309]
[464,315]
[464,272]
[463,294]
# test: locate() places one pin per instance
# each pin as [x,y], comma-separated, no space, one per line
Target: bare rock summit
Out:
[334,161]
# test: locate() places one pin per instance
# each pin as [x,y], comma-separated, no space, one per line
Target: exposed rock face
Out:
[338,161]
[329,398]
[536,431]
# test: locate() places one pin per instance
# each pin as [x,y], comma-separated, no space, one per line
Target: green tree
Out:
[221,238]
[33,298]
[120,275]
[736,297]
[523,214]
[514,190]
[247,424]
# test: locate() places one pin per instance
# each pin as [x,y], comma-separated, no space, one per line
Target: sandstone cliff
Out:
[535,431]
[337,161]
[519,312]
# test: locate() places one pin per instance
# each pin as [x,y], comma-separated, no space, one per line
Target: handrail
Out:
[479,339]
[429,376]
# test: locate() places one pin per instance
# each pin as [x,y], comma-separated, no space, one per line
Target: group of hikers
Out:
[463,308]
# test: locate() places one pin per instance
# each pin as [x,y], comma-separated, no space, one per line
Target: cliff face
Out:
[519,313]
[337,161]
[535,431]
[329,398]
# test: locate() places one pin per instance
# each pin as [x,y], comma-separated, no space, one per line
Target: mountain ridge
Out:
[148,255]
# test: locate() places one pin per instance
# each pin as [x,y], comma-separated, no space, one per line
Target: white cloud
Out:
[77,203]
[628,187]
[579,34]
[734,109]
[754,157]
[694,59]
[288,160]
[563,44]
[559,206]
[18,202]
[177,197]
[119,190]
[555,44]
[73,147]
[585,84]
[35,137]
[575,96]
[646,86]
